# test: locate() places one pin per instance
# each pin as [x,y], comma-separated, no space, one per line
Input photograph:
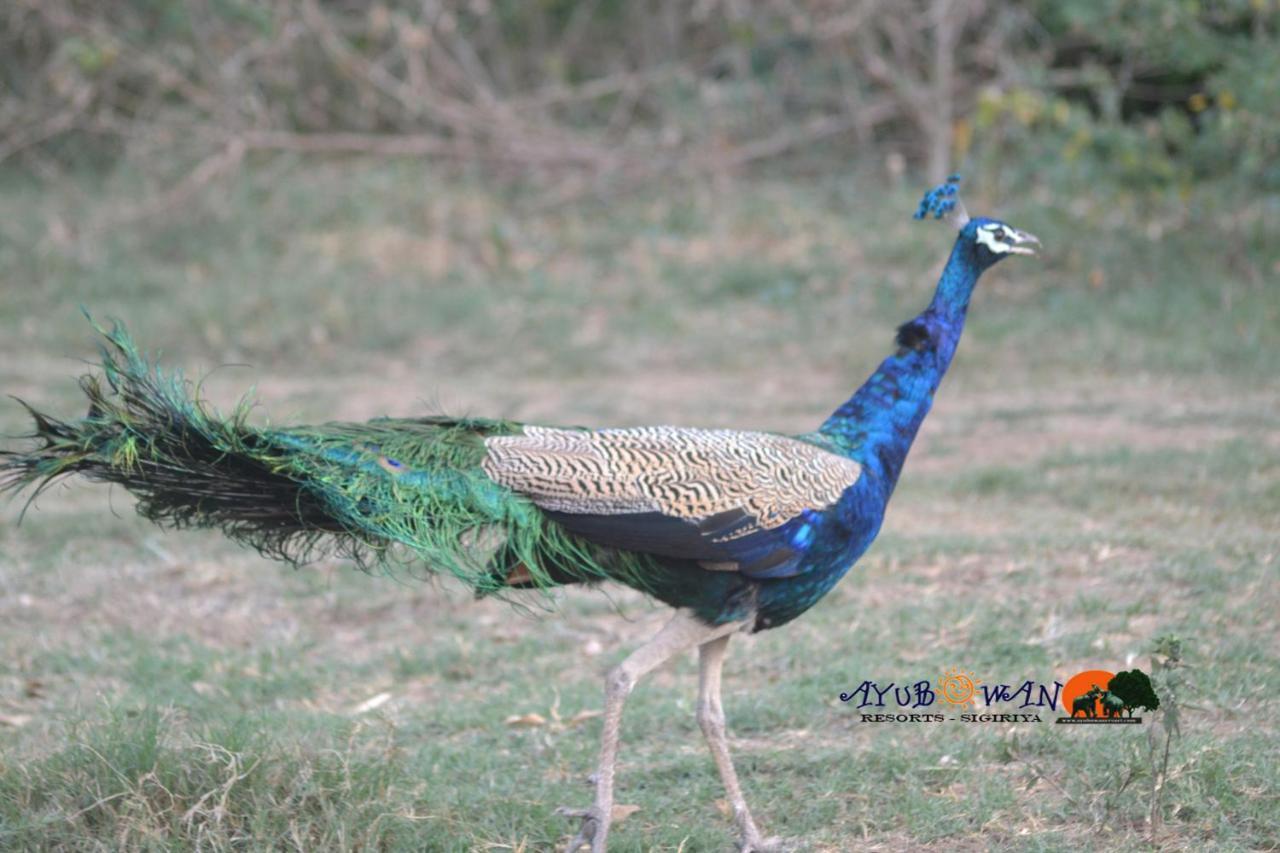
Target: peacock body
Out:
[738,530]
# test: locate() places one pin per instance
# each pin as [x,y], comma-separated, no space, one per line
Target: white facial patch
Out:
[990,236]
[1003,240]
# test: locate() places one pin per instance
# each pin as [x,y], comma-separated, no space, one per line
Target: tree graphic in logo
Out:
[1085,699]
[1133,690]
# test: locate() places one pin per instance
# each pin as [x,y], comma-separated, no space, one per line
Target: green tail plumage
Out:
[360,489]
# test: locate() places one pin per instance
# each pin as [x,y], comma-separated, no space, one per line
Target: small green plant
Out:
[1167,674]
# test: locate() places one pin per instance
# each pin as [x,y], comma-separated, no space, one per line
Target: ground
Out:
[1102,469]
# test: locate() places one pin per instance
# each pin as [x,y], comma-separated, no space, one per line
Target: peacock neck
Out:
[878,423]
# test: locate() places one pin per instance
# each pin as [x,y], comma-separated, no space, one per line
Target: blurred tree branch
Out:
[581,95]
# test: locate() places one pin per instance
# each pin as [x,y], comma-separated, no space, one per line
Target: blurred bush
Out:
[1145,92]
[1137,94]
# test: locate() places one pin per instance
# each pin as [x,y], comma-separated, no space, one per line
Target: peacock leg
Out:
[684,631]
[711,721]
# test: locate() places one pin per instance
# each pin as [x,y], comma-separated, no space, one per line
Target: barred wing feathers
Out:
[731,500]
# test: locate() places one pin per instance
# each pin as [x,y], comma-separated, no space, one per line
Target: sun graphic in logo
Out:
[1082,693]
[958,687]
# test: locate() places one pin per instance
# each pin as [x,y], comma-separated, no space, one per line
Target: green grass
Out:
[1100,470]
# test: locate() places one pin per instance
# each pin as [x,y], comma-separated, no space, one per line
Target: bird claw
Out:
[773,844]
[588,832]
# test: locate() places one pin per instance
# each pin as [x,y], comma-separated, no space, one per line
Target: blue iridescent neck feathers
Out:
[877,425]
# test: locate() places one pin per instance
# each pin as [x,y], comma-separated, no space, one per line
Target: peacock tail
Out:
[377,492]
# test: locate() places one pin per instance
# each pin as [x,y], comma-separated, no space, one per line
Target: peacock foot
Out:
[592,832]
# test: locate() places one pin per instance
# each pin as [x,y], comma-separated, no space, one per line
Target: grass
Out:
[1101,470]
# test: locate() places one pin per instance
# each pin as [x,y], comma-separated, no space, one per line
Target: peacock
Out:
[735,530]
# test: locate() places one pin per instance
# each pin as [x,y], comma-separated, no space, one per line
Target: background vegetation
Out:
[590,211]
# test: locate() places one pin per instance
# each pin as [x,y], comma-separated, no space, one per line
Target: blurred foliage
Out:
[1140,94]
[1146,92]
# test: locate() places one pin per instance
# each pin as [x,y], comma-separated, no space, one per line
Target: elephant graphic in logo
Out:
[1125,692]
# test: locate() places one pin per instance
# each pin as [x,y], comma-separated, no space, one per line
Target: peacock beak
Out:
[1023,242]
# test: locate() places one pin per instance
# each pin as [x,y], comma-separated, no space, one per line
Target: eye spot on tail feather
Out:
[385,462]
[391,465]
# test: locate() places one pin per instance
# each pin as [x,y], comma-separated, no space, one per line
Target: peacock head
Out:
[990,239]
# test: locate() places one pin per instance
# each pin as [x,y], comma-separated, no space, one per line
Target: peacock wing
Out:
[732,500]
